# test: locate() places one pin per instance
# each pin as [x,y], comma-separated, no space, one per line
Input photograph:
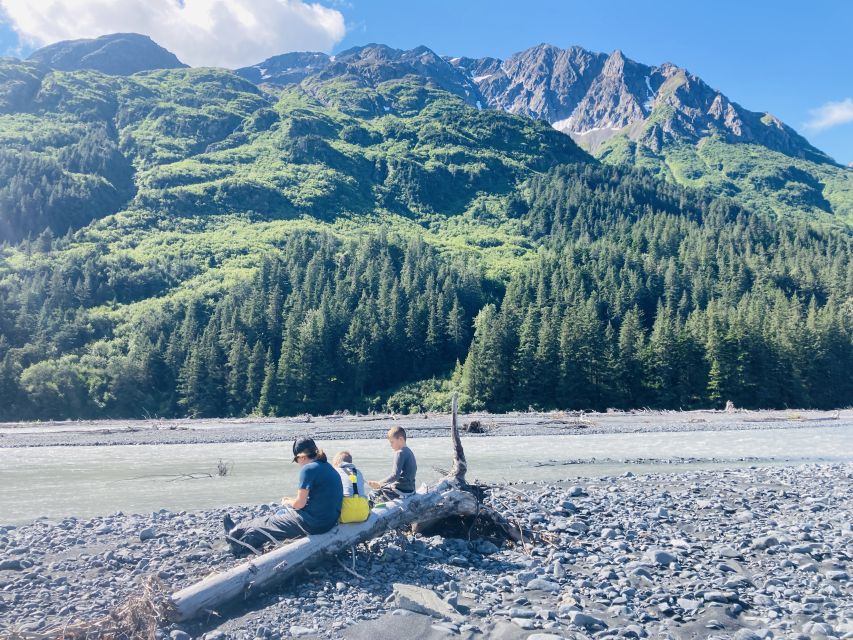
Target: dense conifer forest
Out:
[180,243]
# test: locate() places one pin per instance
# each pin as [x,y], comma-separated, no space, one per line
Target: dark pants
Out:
[387,492]
[252,535]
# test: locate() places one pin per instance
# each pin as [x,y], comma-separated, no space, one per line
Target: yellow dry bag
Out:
[354,508]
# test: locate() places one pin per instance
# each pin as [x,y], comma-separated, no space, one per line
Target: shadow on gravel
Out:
[394,558]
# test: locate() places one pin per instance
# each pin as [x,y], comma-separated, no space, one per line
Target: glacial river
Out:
[84,481]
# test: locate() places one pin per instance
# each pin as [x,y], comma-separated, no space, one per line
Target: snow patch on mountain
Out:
[562,125]
[650,99]
[594,129]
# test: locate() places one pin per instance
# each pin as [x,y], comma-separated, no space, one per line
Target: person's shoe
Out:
[228,523]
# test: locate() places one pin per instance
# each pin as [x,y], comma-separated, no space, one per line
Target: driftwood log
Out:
[450,498]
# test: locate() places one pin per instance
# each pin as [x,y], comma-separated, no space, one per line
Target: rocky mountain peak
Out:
[114,54]
[376,63]
[591,96]
[285,69]
[594,96]
[615,64]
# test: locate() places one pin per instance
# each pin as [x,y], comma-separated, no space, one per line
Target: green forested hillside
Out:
[757,177]
[181,243]
[667,299]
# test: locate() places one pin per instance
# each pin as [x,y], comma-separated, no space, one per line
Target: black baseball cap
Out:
[303,444]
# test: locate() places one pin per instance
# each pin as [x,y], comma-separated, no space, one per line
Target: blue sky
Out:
[790,58]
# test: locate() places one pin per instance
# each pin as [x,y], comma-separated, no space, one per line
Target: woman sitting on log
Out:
[315,509]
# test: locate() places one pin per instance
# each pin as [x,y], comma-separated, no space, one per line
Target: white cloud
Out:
[830,114]
[219,33]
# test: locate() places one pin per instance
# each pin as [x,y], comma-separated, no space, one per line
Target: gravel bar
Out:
[759,552]
[341,427]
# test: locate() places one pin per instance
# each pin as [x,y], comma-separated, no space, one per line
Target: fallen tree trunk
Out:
[273,567]
[450,497]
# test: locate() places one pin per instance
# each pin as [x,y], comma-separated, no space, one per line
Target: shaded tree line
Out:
[63,188]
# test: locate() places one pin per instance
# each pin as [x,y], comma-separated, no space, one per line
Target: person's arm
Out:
[298,502]
[395,474]
[301,499]
[398,469]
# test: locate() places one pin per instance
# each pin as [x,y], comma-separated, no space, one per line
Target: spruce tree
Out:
[255,375]
[266,401]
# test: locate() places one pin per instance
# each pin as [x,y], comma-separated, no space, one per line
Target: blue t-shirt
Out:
[325,495]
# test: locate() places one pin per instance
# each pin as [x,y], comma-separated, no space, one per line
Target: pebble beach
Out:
[749,552]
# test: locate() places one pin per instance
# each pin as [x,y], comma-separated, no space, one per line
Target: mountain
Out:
[661,118]
[593,96]
[590,96]
[668,120]
[185,139]
[120,54]
[185,242]
[74,143]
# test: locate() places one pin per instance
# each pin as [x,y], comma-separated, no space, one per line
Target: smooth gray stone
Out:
[715,596]
[488,548]
[524,623]
[586,620]
[642,572]
[747,634]
[11,564]
[688,604]
[660,557]
[541,584]
[765,542]
[426,601]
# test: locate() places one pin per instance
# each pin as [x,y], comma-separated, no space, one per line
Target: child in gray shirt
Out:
[401,481]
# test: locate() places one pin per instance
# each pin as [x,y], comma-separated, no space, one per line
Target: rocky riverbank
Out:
[343,427]
[740,553]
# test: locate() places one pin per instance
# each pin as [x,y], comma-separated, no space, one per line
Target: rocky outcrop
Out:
[377,63]
[286,69]
[544,82]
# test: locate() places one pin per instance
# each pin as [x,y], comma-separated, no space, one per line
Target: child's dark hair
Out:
[397,432]
[320,456]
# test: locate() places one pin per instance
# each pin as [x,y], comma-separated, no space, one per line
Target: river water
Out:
[54,482]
